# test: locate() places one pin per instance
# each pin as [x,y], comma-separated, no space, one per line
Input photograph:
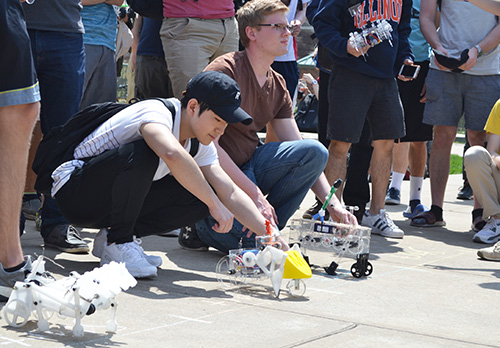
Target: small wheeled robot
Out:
[342,240]
[267,260]
[73,297]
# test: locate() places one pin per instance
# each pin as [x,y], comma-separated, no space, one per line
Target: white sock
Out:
[397,180]
[416,187]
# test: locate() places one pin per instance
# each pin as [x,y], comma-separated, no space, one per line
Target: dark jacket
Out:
[333,23]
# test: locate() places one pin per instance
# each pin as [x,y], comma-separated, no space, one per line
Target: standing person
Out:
[56,32]
[412,148]
[464,79]
[286,64]
[100,23]
[148,60]
[19,96]
[135,176]
[276,175]
[193,34]
[363,87]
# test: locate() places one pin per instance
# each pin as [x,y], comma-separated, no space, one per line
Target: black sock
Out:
[414,203]
[15,268]
[477,213]
[438,212]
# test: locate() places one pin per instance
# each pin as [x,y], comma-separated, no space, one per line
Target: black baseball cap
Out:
[221,93]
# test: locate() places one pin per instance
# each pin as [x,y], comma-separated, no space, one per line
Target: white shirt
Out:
[124,128]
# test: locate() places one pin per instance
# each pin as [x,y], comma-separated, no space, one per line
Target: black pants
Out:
[357,190]
[115,190]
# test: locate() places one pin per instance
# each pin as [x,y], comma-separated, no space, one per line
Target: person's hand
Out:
[352,51]
[308,78]
[284,244]
[423,97]
[471,62]
[297,26]
[444,52]
[266,209]
[223,217]
[342,215]
[406,78]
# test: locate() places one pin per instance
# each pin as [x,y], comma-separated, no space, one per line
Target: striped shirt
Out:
[124,128]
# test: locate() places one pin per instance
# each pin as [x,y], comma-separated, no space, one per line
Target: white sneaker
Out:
[490,233]
[152,259]
[101,240]
[491,253]
[382,224]
[131,254]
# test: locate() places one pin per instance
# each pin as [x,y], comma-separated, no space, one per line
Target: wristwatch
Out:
[315,82]
[479,50]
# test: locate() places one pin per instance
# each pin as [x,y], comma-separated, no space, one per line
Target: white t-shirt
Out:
[123,128]
[290,16]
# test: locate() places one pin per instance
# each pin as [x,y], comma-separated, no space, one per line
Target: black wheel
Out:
[369,269]
[355,272]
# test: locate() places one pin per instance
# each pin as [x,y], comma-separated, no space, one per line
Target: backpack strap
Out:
[195,143]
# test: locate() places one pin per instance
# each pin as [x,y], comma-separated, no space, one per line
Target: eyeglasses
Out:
[279,26]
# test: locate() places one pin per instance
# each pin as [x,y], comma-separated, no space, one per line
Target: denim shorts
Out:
[451,95]
[18,80]
[355,97]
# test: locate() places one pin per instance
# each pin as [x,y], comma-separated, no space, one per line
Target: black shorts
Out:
[355,97]
[18,81]
[410,93]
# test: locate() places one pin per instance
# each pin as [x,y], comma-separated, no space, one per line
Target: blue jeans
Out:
[60,66]
[284,172]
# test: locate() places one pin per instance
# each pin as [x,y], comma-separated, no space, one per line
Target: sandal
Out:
[420,208]
[426,219]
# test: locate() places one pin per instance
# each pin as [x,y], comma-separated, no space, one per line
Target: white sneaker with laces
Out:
[101,240]
[152,259]
[129,253]
[490,233]
[382,224]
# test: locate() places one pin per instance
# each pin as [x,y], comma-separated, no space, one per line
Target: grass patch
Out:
[456,164]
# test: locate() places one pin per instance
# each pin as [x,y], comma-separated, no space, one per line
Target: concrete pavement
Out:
[426,290]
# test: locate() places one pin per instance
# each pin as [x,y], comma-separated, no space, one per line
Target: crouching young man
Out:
[134,175]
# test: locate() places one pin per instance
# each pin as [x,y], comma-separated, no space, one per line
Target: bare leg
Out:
[417,157]
[400,157]
[336,166]
[380,171]
[16,125]
[29,186]
[440,161]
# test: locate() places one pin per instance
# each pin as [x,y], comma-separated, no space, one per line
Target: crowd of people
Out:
[189,157]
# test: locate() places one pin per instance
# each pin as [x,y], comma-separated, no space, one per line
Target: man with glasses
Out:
[276,175]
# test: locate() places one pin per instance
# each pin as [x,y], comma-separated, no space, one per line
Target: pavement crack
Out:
[320,337]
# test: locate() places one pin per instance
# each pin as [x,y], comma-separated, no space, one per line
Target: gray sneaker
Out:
[30,207]
[66,238]
[8,279]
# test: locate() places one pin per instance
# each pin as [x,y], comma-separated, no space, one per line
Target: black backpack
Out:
[306,115]
[147,8]
[59,144]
